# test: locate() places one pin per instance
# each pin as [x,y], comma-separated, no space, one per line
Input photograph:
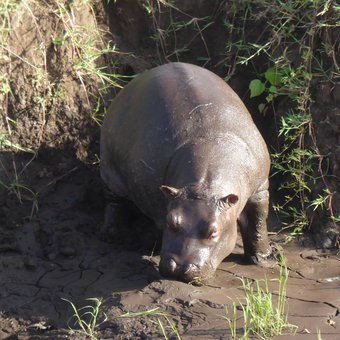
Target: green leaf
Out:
[262,108]
[256,88]
[269,98]
[307,75]
[273,89]
[273,75]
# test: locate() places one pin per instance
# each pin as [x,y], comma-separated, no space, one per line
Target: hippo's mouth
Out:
[188,273]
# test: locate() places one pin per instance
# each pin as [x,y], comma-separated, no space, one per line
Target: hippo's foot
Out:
[117,218]
[267,260]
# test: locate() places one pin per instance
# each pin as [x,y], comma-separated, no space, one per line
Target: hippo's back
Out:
[161,111]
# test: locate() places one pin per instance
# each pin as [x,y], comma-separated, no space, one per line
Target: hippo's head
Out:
[200,233]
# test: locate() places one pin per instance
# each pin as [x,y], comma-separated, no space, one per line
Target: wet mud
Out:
[61,254]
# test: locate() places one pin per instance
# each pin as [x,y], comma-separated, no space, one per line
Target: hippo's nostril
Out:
[168,266]
[190,269]
[189,272]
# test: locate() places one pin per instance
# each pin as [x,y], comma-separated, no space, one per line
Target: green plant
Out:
[84,51]
[318,334]
[292,56]
[98,113]
[232,325]
[89,48]
[87,318]
[6,8]
[12,182]
[5,143]
[295,163]
[155,313]
[261,316]
[196,281]
[166,35]
[273,85]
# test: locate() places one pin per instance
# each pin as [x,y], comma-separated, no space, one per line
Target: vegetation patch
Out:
[158,317]
[261,316]
[88,319]
[57,69]
[294,54]
[57,64]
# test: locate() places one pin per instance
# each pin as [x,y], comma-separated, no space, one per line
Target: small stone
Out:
[52,256]
[30,263]
[68,251]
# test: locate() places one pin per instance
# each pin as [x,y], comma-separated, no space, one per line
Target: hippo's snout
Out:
[169,268]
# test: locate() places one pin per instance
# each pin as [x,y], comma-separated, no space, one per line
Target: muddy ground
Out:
[61,254]
[51,247]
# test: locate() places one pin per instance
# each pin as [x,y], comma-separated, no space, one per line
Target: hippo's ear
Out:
[170,191]
[229,200]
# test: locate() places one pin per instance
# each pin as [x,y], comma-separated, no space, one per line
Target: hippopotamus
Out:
[180,145]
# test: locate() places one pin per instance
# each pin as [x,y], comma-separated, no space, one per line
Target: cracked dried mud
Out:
[61,254]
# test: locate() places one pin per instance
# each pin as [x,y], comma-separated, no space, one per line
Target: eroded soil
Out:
[60,253]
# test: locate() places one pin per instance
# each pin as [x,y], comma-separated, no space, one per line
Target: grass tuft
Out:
[87,318]
[261,317]
[157,314]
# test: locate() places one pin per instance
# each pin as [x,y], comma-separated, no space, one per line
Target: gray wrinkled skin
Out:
[180,144]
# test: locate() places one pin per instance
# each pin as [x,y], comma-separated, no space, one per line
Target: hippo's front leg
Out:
[253,227]
[117,216]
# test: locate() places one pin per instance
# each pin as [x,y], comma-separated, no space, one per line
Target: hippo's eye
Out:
[174,222]
[213,233]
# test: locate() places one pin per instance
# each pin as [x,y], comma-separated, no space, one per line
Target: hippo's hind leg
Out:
[253,227]
[117,215]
